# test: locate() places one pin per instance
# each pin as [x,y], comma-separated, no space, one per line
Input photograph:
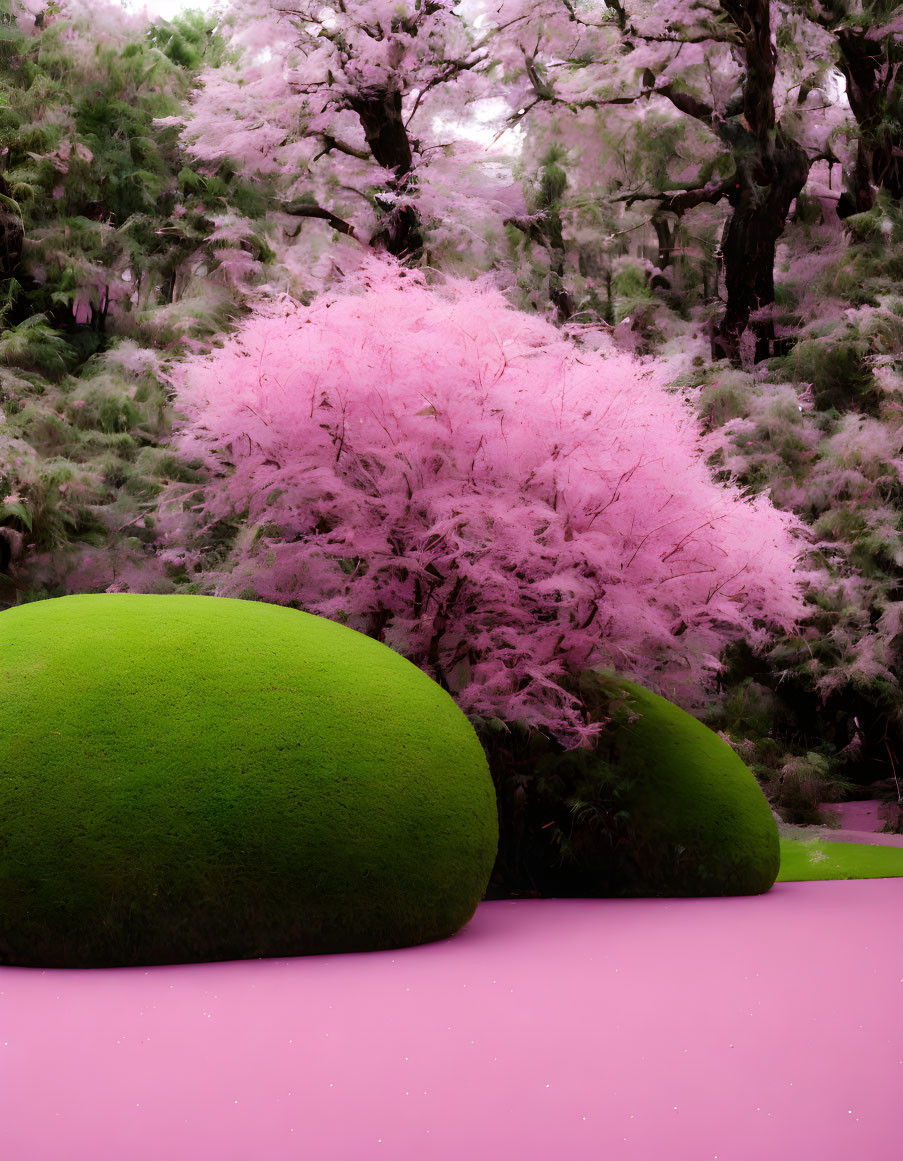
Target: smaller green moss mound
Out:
[692,799]
[188,778]
[805,861]
[661,807]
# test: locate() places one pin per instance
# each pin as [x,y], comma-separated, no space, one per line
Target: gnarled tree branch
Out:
[330,143]
[306,210]
[678,201]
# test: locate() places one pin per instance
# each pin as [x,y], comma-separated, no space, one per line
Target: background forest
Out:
[531,337]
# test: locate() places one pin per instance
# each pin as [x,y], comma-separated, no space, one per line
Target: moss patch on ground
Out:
[188,778]
[803,861]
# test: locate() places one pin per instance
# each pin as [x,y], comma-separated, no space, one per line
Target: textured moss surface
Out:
[189,778]
[805,861]
[660,806]
[692,797]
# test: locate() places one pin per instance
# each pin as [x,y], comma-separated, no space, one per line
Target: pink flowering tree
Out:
[452,477]
[352,108]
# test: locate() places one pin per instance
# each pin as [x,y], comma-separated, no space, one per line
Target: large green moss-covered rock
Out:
[188,778]
[661,806]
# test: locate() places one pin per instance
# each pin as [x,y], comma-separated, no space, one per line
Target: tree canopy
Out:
[671,229]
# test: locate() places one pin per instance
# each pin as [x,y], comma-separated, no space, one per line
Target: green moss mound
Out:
[694,799]
[188,778]
[660,807]
[805,861]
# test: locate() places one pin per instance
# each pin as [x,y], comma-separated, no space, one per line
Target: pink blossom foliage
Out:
[499,505]
[25,13]
[304,85]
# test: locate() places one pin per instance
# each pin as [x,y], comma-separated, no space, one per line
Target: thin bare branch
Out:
[330,143]
[687,103]
[305,210]
[680,200]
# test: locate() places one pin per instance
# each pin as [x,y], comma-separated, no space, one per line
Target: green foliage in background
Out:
[118,275]
[820,431]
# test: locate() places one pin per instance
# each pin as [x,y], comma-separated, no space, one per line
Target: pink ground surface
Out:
[651,1030]
[858,823]
[857,815]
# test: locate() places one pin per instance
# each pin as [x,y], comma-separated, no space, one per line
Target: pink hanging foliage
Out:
[438,470]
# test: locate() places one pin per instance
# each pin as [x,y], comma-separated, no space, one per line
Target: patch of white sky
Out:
[164,9]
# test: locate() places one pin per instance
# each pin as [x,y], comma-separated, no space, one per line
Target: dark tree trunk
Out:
[551,233]
[12,234]
[665,232]
[861,191]
[871,71]
[771,171]
[548,231]
[609,307]
[760,212]
[870,64]
[561,297]
[398,230]
[380,116]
